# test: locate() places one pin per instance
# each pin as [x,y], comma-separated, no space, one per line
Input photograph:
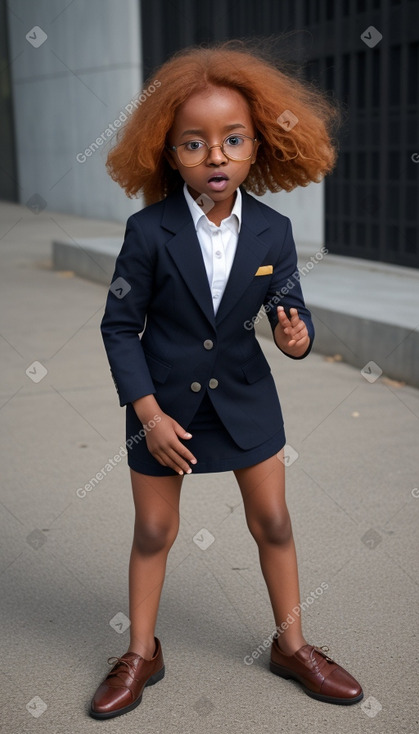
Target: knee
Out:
[274,528]
[151,537]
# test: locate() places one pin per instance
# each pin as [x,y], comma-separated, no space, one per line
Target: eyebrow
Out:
[226,129]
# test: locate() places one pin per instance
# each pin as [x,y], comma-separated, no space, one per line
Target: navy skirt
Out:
[211,444]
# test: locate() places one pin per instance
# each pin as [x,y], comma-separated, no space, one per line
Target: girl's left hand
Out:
[291,334]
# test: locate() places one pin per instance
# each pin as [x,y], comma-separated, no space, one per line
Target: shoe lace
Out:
[118,670]
[323,650]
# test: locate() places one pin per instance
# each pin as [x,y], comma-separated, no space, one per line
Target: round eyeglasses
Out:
[234,147]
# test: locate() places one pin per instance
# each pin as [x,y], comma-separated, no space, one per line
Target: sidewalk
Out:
[352,493]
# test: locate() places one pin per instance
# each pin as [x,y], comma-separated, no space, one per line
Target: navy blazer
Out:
[185,349]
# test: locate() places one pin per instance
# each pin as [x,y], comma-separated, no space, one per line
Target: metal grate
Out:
[372,198]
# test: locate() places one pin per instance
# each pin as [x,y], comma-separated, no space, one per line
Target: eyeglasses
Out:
[234,147]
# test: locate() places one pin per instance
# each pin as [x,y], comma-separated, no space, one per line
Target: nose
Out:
[216,156]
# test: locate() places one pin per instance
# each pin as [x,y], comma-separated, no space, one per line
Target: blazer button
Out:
[208,344]
[195,386]
[213,383]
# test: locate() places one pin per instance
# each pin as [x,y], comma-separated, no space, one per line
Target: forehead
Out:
[213,106]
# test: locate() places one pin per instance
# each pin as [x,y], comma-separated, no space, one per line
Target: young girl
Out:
[195,268]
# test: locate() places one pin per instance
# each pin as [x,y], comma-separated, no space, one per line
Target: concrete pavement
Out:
[352,488]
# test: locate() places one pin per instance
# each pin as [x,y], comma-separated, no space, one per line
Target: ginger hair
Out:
[285,159]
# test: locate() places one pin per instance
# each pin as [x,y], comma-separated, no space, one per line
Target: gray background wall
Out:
[66,92]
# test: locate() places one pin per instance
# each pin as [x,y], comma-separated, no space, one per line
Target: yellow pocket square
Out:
[265,270]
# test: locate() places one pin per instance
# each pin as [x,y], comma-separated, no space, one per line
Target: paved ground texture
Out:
[353,494]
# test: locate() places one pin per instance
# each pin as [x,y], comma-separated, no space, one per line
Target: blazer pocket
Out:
[265,270]
[159,369]
[256,367]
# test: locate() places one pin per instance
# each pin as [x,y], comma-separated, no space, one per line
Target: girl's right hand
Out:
[163,443]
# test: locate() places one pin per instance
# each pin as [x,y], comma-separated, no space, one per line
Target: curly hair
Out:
[286,158]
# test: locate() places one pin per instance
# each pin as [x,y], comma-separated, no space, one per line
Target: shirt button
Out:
[218,253]
[213,383]
[195,386]
[208,344]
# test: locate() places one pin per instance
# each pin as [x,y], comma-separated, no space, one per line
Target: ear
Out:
[171,159]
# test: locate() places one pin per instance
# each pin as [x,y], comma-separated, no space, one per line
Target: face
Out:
[211,116]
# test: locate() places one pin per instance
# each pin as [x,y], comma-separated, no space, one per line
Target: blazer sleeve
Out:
[285,289]
[126,307]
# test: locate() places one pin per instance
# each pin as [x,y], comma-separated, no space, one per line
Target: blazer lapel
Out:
[250,253]
[185,250]
[186,253]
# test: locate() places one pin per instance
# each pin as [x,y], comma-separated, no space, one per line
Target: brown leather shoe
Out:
[319,676]
[122,689]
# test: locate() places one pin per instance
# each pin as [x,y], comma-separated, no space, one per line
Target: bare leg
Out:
[263,489]
[156,501]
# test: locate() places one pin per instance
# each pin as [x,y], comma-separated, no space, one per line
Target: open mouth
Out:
[218,182]
[218,177]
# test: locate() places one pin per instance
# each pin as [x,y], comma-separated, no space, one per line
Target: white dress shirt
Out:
[218,244]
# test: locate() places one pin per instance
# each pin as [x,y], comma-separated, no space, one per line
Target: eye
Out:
[193,145]
[234,140]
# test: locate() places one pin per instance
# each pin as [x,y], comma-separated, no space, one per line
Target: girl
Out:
[198,263]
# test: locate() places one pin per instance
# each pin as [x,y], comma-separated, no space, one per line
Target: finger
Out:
[281,313]
[177,463]
[181,431]
[161,458]
[183,452]
[283,318]
[296,331]
[298,335]
[299,341]
[180,448]
[294,316]
[187,455]
[165,460]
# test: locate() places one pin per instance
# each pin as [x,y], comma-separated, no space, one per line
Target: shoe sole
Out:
[111,714]
[285,673]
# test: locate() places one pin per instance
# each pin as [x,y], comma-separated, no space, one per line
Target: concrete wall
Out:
[66,91]
[305,208]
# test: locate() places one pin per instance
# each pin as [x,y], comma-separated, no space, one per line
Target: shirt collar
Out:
[197,213]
